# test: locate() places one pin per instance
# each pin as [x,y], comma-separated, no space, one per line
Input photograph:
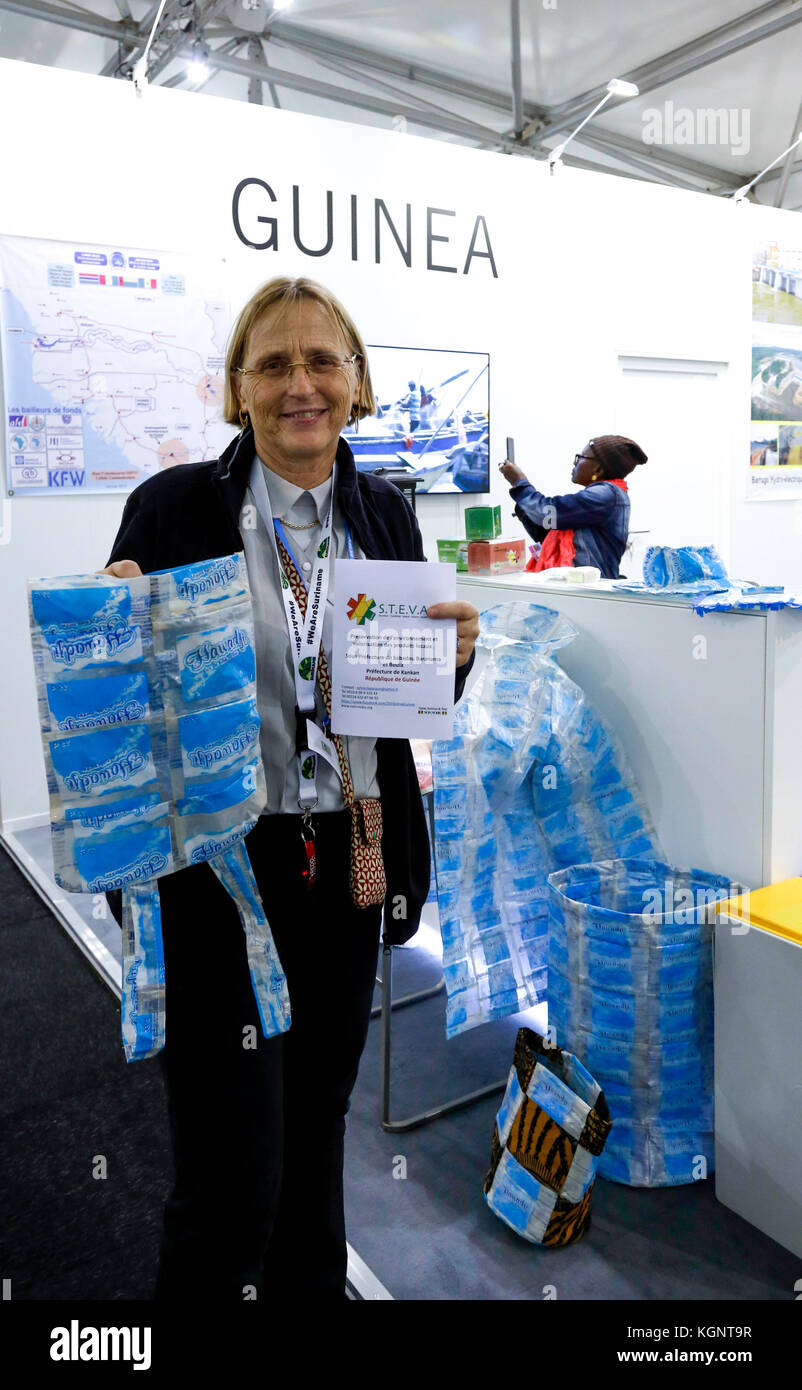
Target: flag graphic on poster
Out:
[113,363]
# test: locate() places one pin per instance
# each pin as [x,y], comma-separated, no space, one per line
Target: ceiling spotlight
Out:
[617,87]
[740,193]
[139,75]
[198,66]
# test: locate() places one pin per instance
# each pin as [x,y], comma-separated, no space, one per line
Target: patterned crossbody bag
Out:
[367,878]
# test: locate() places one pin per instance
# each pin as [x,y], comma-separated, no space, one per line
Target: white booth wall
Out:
[617,307]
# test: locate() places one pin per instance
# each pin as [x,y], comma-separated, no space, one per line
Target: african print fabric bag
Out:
[367,877]
[549,1133]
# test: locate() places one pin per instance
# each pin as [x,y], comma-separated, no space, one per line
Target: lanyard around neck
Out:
[305,640]
[305,633]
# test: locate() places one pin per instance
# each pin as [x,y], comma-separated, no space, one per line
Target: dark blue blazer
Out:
[598,515]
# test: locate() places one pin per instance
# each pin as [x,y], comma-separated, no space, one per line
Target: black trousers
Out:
[258,1125]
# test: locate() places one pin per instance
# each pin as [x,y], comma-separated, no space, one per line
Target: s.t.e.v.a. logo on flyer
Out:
[363,609]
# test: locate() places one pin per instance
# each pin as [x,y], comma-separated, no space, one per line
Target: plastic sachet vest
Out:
[684,569]
[531,782]
[147,705]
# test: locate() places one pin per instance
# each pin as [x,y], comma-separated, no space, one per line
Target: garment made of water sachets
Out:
[698,573]
[146,693]
[531,781]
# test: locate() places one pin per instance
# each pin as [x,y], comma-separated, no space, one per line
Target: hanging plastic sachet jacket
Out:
[147,705]
[532,782]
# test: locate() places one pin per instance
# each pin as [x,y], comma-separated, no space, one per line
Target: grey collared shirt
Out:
[275,684]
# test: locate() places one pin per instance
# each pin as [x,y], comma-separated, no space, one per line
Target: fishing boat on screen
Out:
[423,434]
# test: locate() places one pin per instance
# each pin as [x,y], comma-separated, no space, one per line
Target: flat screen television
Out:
[433,418]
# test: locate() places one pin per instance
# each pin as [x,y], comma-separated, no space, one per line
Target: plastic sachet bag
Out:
[146,693]
[631,992]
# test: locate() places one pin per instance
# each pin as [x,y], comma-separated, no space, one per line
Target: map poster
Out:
[112,365]
[775,449]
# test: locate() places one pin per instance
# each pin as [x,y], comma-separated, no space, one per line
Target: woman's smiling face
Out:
[297,420]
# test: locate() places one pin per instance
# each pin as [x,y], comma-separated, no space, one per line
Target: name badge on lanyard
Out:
[305,634]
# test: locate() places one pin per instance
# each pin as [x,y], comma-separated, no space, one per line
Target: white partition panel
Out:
[694,701]
[663,275]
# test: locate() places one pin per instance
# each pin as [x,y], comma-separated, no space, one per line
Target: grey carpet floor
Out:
[68,1100]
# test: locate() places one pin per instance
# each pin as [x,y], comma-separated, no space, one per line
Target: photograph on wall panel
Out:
[432,421]
[775,449]
[777,282]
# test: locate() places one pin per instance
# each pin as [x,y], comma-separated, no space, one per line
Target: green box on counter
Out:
[482,523]
[454,553]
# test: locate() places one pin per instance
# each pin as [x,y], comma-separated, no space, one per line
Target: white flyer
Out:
[392,667]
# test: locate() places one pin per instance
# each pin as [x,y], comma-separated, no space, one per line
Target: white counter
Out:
[709,710]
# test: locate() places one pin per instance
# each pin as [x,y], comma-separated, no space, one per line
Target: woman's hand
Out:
[512,472]
[467,625]
[122,569]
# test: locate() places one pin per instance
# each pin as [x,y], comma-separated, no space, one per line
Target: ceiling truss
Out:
[527,129]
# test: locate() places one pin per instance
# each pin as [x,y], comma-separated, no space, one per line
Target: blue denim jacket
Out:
[598,515]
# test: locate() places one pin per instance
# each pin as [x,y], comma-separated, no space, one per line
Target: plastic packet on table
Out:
[686,564]
[146,691]
[741,599]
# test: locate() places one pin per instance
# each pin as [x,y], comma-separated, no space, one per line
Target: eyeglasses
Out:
[317,367]
[579,457]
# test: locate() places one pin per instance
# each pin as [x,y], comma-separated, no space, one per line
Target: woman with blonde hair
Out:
[257,1124]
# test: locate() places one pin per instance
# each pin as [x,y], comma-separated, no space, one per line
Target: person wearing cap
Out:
[589,527]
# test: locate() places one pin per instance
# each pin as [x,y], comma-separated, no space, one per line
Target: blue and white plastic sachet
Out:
[531,782]
[147,705]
